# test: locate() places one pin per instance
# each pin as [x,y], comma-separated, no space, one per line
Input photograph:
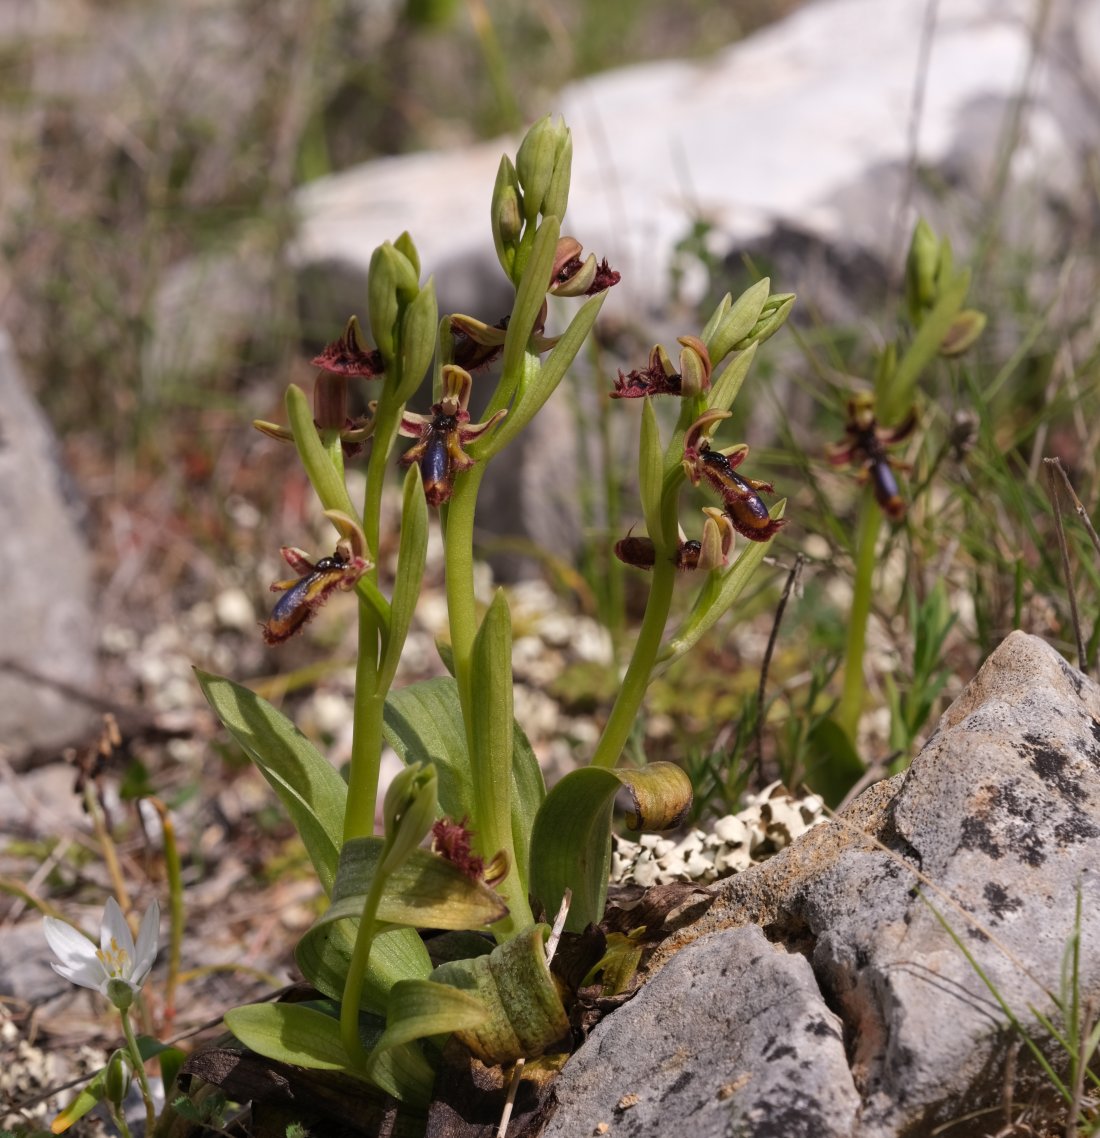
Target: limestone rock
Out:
[997,825]
[669,1055]
[48,642]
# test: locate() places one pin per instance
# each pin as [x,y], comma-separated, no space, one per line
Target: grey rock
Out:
[48,650]
[673,1056]
[997,825]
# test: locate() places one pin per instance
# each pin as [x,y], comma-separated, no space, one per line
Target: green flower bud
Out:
[545,145]
[965,329]
[507,214]
[117,1078]
[921,270]
[772,317]
[408,812]
[739,320]
[556,200]
[382,300]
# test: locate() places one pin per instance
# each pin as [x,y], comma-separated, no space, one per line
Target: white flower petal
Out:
[88,975]
[69,945]
[115,931]
[146,951]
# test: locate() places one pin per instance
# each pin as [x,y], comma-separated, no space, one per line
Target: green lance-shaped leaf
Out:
[894,397]
[411,557]
[427,891]
[306,1036]
[726,387]
[424,722]
[718,595]
[543,380]
[739,321]
[418,330]
[419,1009]
[571,843]
[650,469]
[309,787]
[514,985]
[326,480]
[492,735]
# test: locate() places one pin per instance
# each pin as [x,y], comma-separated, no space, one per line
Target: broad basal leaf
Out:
[571,843]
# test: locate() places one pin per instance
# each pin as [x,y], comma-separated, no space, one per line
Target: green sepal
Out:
[718,594]
[308,1035]
[412,556]
[308,785]
[650,470]
[716,318]
[426,891]
[326,480]
[407,248]
[739,321]
[419,1009]
[418,331]
[724,390]
[424,722]
[513,984]
[571,842]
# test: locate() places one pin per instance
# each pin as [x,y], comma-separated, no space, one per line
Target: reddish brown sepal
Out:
[347,356]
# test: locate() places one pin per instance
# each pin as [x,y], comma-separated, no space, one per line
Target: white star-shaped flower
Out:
[117,969]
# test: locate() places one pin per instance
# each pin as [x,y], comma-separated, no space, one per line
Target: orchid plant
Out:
[505,853]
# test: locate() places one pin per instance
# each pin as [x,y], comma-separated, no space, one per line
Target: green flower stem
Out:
[119,1116]
[139,1070]
[357,969]
[633,688]
[458,539]
[851,699]
[366,746]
